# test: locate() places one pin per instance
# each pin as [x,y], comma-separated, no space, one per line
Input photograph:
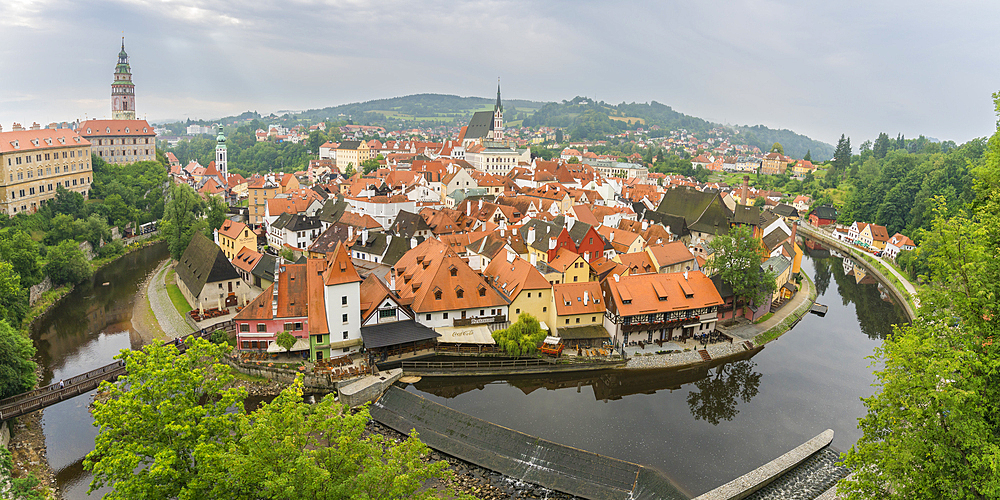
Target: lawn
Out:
[180,303]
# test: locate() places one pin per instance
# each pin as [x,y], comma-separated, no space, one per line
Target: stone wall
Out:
[368,388]
[756,479]
[87,249]
[319,383]
[36,291]
[4,434]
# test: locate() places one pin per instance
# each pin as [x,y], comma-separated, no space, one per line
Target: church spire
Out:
[122,89]
[499,105]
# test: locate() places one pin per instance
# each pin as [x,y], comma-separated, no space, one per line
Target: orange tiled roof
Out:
[568,298]
[642,293]
[30,140]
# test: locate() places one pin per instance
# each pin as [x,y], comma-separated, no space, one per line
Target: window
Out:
[343,300]
[244,327]
[567,321]
[261,328]
[577,320]
[345,318]
[460,293]
[288,327]
[529,295]
[482,292]
[544,309]
[245,344]
[575,278]
[437,295]
[428,317]
[454,271]
[298,326]
[345,335]
[593,319]
[444,315]
[517,311]
[387,313]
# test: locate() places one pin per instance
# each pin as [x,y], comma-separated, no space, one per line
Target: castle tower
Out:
[122,90]
[220,155]
[498,118]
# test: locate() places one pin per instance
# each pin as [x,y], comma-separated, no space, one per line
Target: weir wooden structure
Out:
[81,384]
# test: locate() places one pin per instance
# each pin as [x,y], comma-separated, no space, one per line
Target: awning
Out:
[397,333]
[543,325]
[300,345]
[551,340]
[584,332]
[474,334]
[692,325]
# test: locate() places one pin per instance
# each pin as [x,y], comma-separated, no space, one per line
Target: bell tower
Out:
[122,89]
[497,128]
[221,156]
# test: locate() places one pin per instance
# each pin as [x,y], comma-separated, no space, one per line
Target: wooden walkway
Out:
[81,384]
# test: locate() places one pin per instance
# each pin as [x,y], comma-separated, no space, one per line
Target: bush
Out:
[521,338]
[67,264]
[113,249]
[219,337]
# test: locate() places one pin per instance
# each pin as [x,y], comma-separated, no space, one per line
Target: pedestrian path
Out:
[171,321]
[749,331]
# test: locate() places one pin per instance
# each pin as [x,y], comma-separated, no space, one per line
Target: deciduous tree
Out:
[17,370]
[181,218]
[736,259]
[522,337]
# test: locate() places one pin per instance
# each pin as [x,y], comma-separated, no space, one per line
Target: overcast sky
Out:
[820,68]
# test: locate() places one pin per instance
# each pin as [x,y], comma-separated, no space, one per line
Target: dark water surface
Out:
[704,427]
[84,332]
[700,427]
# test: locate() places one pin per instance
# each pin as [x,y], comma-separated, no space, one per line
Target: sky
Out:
[819,68]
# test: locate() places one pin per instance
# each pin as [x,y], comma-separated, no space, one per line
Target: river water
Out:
[700,427]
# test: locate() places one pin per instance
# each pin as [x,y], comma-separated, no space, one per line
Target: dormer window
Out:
[460,293]
[437,295]
[108,130]
[454,272]
[482,292]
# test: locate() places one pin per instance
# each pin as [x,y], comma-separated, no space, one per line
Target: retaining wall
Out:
[756,479]
[857,256]
[320,383]
[4,434]
[368,388]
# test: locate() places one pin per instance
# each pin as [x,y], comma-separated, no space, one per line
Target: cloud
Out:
[819,68]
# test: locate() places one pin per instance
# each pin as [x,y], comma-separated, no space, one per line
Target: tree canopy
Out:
[931,430]
[522,337]
[181,218]
[176,427]
[17,370]
[736,258]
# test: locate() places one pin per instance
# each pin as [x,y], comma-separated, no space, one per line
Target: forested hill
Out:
[420,107]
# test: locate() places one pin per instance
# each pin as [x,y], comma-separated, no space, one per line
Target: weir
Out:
[519,455]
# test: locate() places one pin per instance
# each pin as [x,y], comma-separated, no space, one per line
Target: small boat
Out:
[819,309]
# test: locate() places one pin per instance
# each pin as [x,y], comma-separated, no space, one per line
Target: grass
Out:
[780,329]
[249,378]
[180,303]
[898,285]
[764,318]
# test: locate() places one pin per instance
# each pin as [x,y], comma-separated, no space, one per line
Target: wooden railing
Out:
[81,384]
[472,365]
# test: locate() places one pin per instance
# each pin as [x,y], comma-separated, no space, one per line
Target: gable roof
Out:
[511,276]
[569,298]
[427,270]
[702,211]
[641,293]
[203,262]
[341,270]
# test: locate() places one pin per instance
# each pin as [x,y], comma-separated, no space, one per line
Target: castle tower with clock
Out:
[123,90]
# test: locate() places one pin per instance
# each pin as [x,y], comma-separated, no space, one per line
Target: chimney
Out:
[746,188]
[611,237]
[274,298]
[616,278]
[791,238]
[468,209]
[35,126]
[552,243]
[350,233]
[511,256]
[413,243]
[17,127]
[531,235]
[534,259]
[364,236]
[392,279]
[569,223]
[480,204]
[645,224]
[586,297]
[685,275]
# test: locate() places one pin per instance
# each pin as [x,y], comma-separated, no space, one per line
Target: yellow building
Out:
[522,284]
[566,267]
[578,314]
[233,236]
[353,153]
[34,162]
[264,188]
[120,141]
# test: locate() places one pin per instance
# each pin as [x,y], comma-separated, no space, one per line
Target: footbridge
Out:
[72,387]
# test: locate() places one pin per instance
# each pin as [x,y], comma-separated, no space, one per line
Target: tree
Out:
[575,160]
[372,164]
[842,155]
[219,337]
[174,427]
[67,202]
[68,264]
[808,156]
[349,171]
[778,148]
[881,147]
[736,258]
[931,429]
[21,488]
[521,338]
[181,218]
[217,209]
[559,136]
[13,297]
[17,370]
[17,247]
[286,340]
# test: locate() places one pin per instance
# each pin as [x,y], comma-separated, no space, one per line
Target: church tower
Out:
[122,90]
[497,129]
[220,155]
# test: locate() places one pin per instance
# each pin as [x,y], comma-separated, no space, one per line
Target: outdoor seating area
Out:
[208,314]
[340,367]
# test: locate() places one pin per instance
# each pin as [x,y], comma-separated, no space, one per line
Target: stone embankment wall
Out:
[369,388]
[35,292]
[320,383]
[747,484]
[856,255]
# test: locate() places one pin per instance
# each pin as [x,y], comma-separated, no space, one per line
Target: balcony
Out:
[484,320]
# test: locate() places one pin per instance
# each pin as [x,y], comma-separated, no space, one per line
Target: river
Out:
[699,427]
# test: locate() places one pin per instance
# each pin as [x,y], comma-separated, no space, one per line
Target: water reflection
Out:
[717,394]
[856,286]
